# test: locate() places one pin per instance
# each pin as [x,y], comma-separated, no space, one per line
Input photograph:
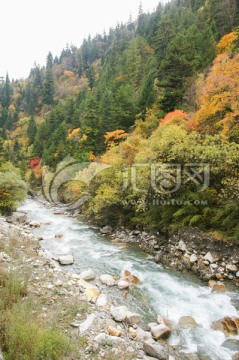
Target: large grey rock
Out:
[232,344]
[87,275]
[209,257]
[87,323]
[105,338]
[119,313]
[182,246]
[66,259]
[19,216]
[160,331]
[107,280]
[155,349]
[106,230]
[133,318]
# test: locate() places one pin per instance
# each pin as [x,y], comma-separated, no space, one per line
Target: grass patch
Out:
[22,336]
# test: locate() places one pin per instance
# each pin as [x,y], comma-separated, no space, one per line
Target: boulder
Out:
[232,344]
[59,236]
[219,288]
[211,283]
[236,356]
[119,313]
[66,259]
[127,276]
[228,325]
[133,318]
[102,300]
[187,322]
[142,335]
[87,323]
[107,280]
[34,224]
[20,217]
[156,350]
[231,268]
[106,230]
[123,284]
[182,246]
[193,258]
[160,331]
[87,275]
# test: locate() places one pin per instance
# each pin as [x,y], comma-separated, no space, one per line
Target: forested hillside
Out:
[162,89]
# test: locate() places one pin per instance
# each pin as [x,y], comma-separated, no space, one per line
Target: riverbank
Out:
[186,250]
[80,309]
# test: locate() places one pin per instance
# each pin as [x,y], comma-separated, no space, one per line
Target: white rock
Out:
[66,259]
[87,275]
[193,258]
[102,300]
[87,323]
[210,258]
[237,274]
[106,230]
[123,284]
[119,313]
[231,268]
[107,280]
[182,246]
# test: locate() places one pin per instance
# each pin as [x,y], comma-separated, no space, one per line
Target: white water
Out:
[161,291]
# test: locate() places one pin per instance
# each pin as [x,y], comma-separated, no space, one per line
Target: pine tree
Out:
[32,130]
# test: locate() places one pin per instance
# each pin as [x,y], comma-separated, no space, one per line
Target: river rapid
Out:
[160,291]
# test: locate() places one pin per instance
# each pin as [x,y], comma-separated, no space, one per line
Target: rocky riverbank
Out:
[80,305]
[187,250]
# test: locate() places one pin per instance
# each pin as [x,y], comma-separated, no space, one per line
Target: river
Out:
[160,291]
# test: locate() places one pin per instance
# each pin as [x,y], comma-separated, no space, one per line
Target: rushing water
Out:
[161,290]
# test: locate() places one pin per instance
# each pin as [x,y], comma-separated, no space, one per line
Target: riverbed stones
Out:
[66,259]
[232,344]
[107,280]
[160,331]
[155,350]
[87,275]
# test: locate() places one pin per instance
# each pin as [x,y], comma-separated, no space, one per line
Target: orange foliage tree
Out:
[113,138]
[175,117]
[227,42]
[219,102]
